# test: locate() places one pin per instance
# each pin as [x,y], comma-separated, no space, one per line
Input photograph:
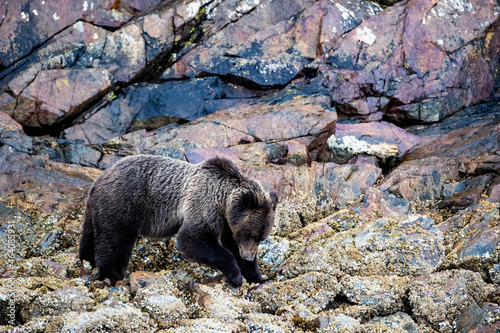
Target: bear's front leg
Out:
[204,248]
[249,269]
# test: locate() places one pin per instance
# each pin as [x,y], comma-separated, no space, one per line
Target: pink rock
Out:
[140,279]
[36,22]
[298,153]
[384,204]
[270,49]
[199,155]
[52,186]
[363,159]
[9,124]
[494,191]
[272,122]
[60,93]
[419,181]
[413,55]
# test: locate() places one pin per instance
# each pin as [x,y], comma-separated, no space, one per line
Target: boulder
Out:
[140,279]
[494,191]
[421,182]
[471,239]
[471,318]
[384,203]
[36,23]
[272,253]
[120,317]
[240,124]
[97,59]
[167,310]
[12,135]
[311,193]
[460,195]
[314,290]
[15,299]
[7,124]
[57,94]
[381,139]
[479,252]
[338,324]
[298,154]
[222,303]
[384,294]
[115,294]
[438,299]
[263,322]
[227,132]
[397,322]
[467,136]
[53,186]
[61,301]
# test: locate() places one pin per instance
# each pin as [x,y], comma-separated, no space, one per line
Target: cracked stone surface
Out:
[411,56]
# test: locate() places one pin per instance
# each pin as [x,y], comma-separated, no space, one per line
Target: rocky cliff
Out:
[377,124]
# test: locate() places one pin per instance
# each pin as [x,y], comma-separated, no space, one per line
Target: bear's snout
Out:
[248,254]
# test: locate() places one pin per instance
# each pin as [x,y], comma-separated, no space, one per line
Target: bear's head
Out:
[250,215]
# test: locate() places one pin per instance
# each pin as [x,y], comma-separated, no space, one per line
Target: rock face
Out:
[377,126]
[405,60]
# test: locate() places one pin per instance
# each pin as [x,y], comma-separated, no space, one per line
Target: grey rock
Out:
[62,301]
[50,240]
[384,294]
[477,182]
[338,324]
[18,141]
[167,310]
[421,181]
[314,290]
[117,318]
[438,299]
[272,253]
[399,247]
[151,106]
[398,322]
[471,318]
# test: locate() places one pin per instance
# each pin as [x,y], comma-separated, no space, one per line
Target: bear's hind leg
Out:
[87,245]
[113,254]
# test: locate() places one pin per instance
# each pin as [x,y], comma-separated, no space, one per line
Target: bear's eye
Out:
[257,239]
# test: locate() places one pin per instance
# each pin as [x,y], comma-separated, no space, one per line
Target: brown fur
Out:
[159,197]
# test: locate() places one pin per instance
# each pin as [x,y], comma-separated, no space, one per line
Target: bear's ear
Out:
[274,199]
[249,200]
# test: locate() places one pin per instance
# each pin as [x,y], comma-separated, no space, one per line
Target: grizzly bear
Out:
[219,215]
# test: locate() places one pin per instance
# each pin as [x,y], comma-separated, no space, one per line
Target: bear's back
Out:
[144,189]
